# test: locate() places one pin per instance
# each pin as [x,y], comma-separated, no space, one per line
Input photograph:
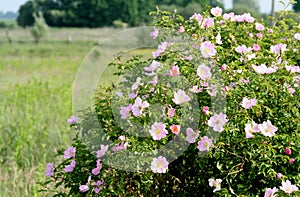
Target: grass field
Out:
[36,101]
[36,84]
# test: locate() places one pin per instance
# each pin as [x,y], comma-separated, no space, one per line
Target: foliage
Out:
[119,24]
[35,99]
[7,23]
[39,28]
[25,17]
[233,83]
[296,6]
[246,6]
[98,13]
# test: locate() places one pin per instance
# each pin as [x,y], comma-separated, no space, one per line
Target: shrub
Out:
[39,28]
[119,24]
[215,110]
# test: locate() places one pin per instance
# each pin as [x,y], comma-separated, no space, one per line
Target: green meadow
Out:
[36,83]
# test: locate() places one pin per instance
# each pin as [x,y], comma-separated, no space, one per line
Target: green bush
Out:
[234,85]
[39,28]
[119,24]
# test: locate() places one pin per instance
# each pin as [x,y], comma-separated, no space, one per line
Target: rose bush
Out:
[223,87]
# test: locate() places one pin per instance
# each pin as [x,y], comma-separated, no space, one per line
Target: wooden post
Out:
[273,11]
[8,36]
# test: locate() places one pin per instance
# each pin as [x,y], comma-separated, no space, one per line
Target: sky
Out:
[265,5]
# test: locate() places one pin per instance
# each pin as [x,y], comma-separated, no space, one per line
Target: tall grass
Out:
[36,83]
[60,34]
[35,94]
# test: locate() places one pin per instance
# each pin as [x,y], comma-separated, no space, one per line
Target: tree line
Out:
[99,13]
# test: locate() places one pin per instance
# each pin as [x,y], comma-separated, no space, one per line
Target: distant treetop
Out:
[98,13]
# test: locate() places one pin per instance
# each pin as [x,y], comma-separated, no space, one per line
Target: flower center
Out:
[175,129]
[159,165]
[157,131]
[207,50]
[216,184]
[206,145]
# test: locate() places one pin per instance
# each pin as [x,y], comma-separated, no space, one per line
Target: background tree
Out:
[190,9]
[25,17]
[98,13]
[296,6]
[39,28]
[246,6]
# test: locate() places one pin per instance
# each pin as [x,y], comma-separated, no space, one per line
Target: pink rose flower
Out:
[154,33]
[248,103]
[228,16]
[251,129]
[125,111]
[158,130]
[204,72]
[278,48]
[259,35]
[207,49]
[174,71]
[288,151]
[180,97]
[207,23]
[216,11]
[287,187]
[181,29]
[204,144]
[191,135]
[159,165]
[101,152]
[292,160]
[255,47]
[84,188]
[196,89]
[279,175]
[70,152]
[217,121]
[175,129]
[267,129]
[271,192]
[96,170]
[205,110]
[297,36]
[50,169]
[242,49]
[70,168]
[171,112]
[197,17]
[139,106]
[259,27]
[223,67]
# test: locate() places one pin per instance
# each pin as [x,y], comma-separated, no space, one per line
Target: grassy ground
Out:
[36,101]
[36,84]
[59,34]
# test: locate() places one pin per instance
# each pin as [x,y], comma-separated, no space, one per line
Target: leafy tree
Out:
[39,28]
[246,6]
[144,8]
[25,17]
[97,13]
[296,6]
[190,9]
